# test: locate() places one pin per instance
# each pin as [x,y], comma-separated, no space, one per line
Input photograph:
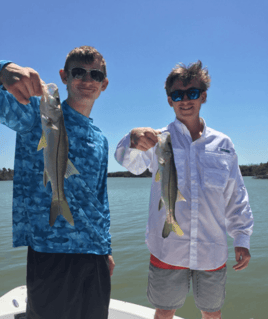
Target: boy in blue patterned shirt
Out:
[68,267]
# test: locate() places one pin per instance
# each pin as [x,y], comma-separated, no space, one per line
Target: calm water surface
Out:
[246,291]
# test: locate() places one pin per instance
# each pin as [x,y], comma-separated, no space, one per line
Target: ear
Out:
[104,85]
[203,97]
[170,102]
[63,76]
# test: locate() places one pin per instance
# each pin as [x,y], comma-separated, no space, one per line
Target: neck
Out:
[195,127]
[83,107]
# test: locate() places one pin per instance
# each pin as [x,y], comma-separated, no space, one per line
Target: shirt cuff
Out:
[4,62]
[121,148]
[242,240]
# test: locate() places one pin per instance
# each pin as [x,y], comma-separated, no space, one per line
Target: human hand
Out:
[111,264]
[21,82]
[143,138]
[242,256]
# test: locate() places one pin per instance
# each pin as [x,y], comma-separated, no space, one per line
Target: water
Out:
[246,291]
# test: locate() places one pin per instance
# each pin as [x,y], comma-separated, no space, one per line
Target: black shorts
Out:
[67,286]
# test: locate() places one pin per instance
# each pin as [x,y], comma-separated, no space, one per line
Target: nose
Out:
[87,77]
[185,97]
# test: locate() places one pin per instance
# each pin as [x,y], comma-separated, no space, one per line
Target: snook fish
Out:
[167,175]
[54,141]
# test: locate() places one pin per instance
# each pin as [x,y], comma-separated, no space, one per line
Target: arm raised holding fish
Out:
[137,144]
[23,83]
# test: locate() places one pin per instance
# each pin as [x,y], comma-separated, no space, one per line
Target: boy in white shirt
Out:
[209,179]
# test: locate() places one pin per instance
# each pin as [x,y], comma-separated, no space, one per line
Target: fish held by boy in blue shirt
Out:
[54,141]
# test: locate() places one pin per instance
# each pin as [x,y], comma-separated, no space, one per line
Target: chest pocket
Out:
[215,169]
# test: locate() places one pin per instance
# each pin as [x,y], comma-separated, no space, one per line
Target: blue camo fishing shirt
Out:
[86,193]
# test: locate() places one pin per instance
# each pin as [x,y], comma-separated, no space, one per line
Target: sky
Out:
[142,41]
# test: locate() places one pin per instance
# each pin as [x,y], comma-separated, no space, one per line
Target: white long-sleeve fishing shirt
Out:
[210,180]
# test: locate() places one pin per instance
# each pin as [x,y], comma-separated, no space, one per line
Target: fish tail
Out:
[166,230]
[60,207]
[66,213]
[176,228]
[54,212]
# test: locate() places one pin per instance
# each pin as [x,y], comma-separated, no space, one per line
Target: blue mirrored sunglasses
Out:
[192,94]
[79,73]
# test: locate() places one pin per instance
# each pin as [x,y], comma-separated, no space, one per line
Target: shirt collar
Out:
[184,130]
[75,116]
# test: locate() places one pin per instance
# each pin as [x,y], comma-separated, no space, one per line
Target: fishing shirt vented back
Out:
[216,203]
[86,193]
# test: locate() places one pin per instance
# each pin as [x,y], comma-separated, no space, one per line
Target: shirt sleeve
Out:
[16,116]
[103,196]
[238,214]
[133,160]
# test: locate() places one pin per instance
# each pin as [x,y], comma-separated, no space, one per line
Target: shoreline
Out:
[256,171]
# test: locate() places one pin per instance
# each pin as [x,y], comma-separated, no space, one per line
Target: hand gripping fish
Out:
[167,175]
[54,141]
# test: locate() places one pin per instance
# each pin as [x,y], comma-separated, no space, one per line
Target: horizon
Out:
[125,171]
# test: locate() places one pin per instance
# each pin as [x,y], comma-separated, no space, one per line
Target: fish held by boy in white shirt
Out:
[167,176]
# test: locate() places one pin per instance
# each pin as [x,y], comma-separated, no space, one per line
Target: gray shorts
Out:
[167,289]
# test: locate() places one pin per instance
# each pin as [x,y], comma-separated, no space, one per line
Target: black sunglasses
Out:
[79,73]
[192,94]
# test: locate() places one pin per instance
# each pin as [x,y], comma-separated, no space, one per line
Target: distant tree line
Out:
[6,174]
[254,170]
[128,174]
[246,170]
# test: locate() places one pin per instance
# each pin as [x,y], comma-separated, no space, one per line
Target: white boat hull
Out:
[13,306]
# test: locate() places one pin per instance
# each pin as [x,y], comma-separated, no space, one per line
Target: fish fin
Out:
[60,208]
[45,178]
[42,142]
[71,170]
[157,176]
[166,230]
[176,228]
[161,204]
[51,125]
[180,197]
[54,127]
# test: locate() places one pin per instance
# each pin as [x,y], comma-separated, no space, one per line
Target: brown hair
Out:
[185,74]
[85,54]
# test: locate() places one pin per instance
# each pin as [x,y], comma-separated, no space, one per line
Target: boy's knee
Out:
[211,315]
[164,314]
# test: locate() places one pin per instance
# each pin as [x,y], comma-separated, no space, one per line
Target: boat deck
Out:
[13,306]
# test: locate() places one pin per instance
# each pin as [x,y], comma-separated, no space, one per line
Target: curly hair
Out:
[185,74]
[85,54]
